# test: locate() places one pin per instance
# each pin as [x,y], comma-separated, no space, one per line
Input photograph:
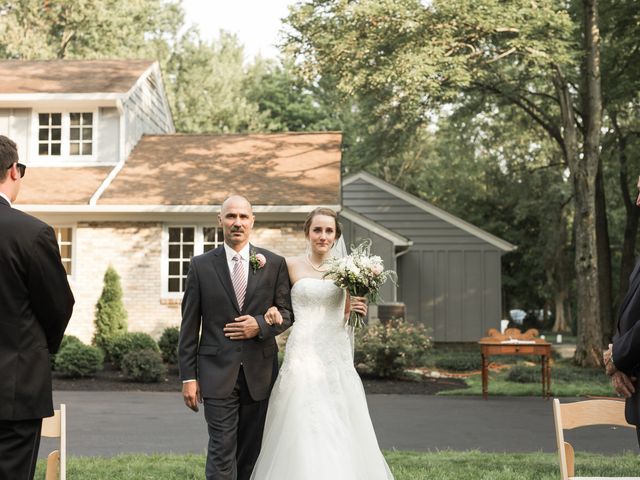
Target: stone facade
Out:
[134,249]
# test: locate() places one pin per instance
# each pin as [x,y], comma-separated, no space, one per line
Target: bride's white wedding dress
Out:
[318,425]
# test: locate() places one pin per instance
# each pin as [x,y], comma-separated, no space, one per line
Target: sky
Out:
[255,22]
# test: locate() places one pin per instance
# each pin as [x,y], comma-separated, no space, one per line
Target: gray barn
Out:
[449,274]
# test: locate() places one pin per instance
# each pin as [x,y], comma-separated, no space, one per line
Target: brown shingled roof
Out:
[70,76]
[61,186]
[269,169]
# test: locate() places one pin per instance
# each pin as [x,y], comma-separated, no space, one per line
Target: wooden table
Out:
[490,346]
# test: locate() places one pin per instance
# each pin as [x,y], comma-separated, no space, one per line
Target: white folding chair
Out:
[582,414]
[56,427]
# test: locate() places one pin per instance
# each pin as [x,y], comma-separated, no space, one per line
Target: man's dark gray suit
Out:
[626,345]
[35,306]
[235,376]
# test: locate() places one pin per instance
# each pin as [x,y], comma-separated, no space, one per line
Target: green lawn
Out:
[565,382]
[445,465]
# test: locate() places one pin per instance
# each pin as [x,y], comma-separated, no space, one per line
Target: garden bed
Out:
[111,379]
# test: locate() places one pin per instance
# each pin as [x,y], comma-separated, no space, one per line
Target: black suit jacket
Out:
[626,343]
[35,306]
[209,303]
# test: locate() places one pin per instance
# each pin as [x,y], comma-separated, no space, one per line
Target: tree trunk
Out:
[604,258]
[561,324]
[584,171]
[628,258]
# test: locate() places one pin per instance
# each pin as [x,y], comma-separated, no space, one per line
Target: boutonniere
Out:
[257,261]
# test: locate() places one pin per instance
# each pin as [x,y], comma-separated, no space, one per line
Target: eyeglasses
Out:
[21,167]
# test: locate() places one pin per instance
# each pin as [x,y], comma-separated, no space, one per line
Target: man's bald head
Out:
[236,200]
[236,219]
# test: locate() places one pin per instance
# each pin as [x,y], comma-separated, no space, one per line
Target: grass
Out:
[567,380]
[445,465]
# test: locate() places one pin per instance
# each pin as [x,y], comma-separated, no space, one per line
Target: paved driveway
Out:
[109,423]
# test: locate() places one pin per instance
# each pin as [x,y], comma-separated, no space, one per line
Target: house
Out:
[449,274]
[121,188]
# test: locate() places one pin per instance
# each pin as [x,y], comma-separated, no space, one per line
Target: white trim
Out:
[198,249]
[397,240]
[73,227]
[61,97]
[433,210]
[104,208]
[65,158]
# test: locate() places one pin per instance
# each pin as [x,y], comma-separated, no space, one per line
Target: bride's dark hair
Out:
[322,211]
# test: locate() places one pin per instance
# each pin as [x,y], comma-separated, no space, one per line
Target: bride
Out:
[318,425]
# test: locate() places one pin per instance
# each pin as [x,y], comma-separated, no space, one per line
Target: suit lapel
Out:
[252,281]
[633,287]
[222,269]
[3,202]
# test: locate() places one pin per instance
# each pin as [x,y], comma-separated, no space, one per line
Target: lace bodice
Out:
[318,335]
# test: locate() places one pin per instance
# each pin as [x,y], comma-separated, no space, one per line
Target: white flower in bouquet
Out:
[361,274]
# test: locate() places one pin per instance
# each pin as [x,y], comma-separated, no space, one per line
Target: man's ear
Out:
[219,220]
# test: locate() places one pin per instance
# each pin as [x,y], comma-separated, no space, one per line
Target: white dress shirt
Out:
[6,198]
[244,255]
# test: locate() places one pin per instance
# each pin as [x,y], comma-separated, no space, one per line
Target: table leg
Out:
[548,376]
[544,375]
[485,377]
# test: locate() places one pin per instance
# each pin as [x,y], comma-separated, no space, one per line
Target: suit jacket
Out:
[209,303]
[626,343]
[35,306]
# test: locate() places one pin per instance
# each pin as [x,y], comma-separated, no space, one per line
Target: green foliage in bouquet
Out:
[387,350]
[361,275]
[79,360]
[144,366]
[168,344]
[130,342]
[111,316]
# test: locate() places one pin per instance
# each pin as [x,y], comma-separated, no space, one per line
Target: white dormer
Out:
[81,112]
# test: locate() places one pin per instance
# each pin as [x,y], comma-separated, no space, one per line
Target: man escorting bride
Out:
[317,423]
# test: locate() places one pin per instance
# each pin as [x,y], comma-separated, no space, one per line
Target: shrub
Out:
[66,340]
[460,362]
[144,366]
[523,374]
[79,360]
[111,317]
[124,343]
[168,344]
[386,350]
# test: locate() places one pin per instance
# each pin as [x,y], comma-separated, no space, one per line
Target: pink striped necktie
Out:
[239,280]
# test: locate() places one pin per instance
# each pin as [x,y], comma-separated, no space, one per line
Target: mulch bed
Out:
[111,379]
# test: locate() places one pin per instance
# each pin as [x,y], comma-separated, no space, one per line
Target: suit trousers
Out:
[235,426]
[19,443]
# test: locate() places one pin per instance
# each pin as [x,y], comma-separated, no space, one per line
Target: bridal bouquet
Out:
[361,274]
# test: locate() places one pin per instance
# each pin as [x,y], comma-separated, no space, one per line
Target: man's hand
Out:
[623,384]
[243,328]
[191,394]
[273,316]
[609,366]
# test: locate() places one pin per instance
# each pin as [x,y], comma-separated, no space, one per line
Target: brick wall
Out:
[134,250]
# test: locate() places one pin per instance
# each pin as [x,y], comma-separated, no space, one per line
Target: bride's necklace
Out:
[316,267]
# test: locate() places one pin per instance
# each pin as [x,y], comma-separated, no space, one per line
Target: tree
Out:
[411,59]
[111,316]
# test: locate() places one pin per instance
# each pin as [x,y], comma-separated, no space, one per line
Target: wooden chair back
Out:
[568,416]
[56,427]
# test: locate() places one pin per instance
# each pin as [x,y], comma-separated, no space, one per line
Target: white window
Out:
[49,134]
[65,135]
[64,235]
[182,243]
